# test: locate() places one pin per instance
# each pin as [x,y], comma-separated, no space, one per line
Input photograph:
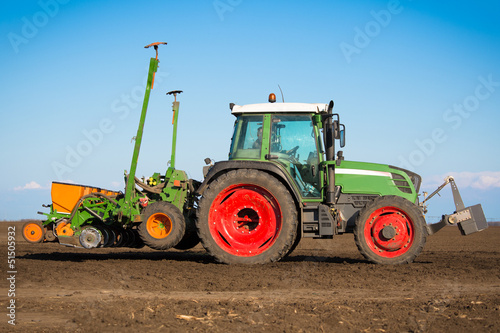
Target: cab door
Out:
[293,143]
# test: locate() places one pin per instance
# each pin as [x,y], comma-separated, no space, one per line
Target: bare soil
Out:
[324,286]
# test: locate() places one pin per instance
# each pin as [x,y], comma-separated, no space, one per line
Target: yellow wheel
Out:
[159,225]
[33,232]
[63,228]
[163,225]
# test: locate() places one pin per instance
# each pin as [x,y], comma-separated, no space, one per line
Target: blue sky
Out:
[417,84]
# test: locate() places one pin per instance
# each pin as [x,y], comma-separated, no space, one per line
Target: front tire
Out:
[390,230]
[163,225]
[247,217]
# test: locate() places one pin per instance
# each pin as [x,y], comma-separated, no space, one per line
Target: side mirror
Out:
[336,126]
[342,135]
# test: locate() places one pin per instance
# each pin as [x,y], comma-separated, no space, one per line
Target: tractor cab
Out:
[285,134]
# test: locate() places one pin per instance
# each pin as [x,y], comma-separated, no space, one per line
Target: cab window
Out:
[247,138]
[293,141]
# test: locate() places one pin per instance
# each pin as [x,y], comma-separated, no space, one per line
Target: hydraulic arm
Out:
[469,219]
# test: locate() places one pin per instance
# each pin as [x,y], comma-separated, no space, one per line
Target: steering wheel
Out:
[292,151]
[292,157]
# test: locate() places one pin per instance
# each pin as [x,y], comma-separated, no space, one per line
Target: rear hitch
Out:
[469,219]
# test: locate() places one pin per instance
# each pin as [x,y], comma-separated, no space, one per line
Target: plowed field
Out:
[324,286]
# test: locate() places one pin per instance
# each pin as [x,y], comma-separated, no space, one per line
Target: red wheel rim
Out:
[389,232]
[245,220]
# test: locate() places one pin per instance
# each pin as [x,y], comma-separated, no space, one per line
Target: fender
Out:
[274,169]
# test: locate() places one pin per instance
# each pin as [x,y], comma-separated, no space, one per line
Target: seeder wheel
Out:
[50,236]
[118,233]
[33,232]
[90,237]
[131,238]
[139,243]
[63,228]
[163,226]
[108,236]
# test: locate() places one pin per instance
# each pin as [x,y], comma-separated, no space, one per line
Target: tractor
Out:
[283,181]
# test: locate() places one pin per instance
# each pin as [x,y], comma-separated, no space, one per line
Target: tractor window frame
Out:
[245,143]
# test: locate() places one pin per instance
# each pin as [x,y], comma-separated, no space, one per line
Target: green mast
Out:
[175,109]
[130,187]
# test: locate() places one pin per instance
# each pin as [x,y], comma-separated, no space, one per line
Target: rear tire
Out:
[295,244]
[163,225]
[390,230]
[247,217]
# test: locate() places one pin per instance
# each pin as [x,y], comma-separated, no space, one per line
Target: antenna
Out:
[283,98]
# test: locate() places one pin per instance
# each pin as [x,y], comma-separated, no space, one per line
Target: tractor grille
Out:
[401,183]
[414,178]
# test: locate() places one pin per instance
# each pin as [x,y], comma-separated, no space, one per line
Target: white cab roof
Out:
[280,107]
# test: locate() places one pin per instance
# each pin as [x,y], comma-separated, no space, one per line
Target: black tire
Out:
[138,243]
[111,236]
[105,234]
[190,238]
[120,236]
[247,217]
[390,230]
[116,235]
[163,225]
[130,238]
[295,243]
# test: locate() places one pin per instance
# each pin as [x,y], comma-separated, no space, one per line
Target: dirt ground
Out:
[324,286]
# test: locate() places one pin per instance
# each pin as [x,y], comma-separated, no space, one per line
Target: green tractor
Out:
[283,182]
